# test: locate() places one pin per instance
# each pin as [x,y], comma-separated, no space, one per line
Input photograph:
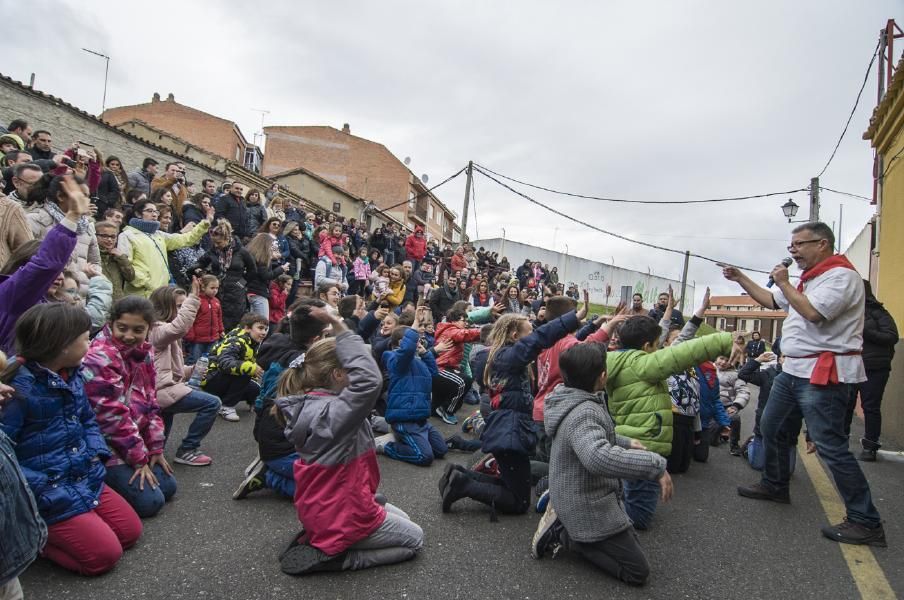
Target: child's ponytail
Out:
[311,370]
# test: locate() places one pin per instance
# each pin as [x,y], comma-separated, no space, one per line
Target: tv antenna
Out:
[263,113]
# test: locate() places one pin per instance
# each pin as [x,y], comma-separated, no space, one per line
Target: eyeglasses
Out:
[151,211]
[797,245]
[106,236]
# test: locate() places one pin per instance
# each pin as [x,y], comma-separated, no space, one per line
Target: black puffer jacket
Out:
[880,334]
[233,281]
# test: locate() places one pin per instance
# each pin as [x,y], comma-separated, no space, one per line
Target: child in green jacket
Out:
[639,399]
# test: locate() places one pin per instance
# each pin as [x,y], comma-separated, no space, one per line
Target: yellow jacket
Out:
[147,253]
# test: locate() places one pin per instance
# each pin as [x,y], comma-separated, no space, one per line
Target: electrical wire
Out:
[609,233]
[869,69]
[627,201]
[427,192]
[888,166]
[825,189]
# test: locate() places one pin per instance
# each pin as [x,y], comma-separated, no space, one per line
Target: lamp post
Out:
[789,209]
[103,104]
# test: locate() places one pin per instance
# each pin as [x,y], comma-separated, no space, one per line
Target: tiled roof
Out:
[732,301]
[881,110]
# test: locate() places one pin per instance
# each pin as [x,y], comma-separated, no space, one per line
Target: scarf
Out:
[224,256]
[144,226]
[81,227]
[826,371]
[818,269]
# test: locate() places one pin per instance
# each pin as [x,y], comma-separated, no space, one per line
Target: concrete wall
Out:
[68,124]
[322,194]
[860,251]
[588,274]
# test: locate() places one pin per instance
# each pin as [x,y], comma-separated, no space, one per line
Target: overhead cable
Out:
[427,192]
[629,201]
[845,193]
[869,69]
[609,233]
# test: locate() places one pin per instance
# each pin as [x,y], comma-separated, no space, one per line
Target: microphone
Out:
[785,261]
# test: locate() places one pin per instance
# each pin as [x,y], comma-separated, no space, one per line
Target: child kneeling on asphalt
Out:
[411,367]
[336,474]
[587,460]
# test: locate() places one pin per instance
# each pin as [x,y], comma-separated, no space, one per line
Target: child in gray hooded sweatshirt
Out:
[588,460]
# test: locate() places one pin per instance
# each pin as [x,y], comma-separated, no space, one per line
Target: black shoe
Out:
[444,480]
[735,450]
[867,456]
[303,558]
[455,490]
[758,491]
[848,532]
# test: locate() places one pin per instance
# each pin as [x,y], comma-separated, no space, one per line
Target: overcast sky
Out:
[653,100]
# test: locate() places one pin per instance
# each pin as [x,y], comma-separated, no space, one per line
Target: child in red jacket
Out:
[279,293]
[208,325]
[450,386]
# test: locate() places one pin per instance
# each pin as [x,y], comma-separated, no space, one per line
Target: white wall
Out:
[588,274]
[859,251]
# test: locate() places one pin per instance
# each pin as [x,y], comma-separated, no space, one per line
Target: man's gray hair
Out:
[819,229]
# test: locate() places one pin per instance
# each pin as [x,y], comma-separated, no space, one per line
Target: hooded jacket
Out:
[57,441]
[459,336]
[336,474]
[639,399]
[880,334]
[587,462]
[410,381]
[208,324]
[120,382]
[416,247]
[147,253]
[733,390]
[166,338]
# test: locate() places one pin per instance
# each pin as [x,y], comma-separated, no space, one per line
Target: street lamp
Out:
[789,209]
[103,104]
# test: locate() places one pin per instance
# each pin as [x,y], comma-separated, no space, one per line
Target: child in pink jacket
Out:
[329,238]
[120,383]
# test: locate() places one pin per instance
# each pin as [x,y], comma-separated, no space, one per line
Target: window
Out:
[337,207]
[743,326]
[430,212]
[238,152]
[756,324]
[722,324]
[439,219]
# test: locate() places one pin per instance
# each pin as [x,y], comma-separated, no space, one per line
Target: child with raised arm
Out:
[588,458]
[336,475]
[509,432]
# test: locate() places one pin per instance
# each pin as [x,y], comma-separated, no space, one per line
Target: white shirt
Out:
[837,295]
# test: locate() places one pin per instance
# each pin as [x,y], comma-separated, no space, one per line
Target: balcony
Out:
[419,211]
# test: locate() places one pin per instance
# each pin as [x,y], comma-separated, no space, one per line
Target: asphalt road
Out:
[707,543]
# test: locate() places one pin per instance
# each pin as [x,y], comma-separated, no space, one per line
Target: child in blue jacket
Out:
[411,368]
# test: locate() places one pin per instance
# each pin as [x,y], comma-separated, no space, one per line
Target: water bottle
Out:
[198,373]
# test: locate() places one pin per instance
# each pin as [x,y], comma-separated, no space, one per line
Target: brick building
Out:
[364,168]
[743,314]
[208,132]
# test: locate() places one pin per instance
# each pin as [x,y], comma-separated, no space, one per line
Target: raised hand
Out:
[582,312]
[730,273]
[79,203]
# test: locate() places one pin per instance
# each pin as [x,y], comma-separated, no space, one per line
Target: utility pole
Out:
[464,217]
[687,260]
[814,199]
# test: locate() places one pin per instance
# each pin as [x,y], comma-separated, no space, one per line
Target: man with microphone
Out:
[822,338]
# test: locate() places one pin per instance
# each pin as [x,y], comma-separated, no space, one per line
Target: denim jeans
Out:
[147,502]
[259,305]
[195,350]
[280,475]
[206,405]
[824,408]
[641,499]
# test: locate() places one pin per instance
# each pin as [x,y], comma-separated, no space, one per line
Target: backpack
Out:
[755,452]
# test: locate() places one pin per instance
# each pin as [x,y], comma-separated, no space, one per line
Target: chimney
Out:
[346,128]
[156,97]
[170,97]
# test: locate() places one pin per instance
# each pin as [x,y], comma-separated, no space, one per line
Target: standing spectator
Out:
[231,206]
[637,309]
[146,247]
[41,145]
[14,227]
[115,265]
[208,325]
[114,186]
[24,177]
[416,246]
[268,268]
[443,297]
[140,180]
[459,263]
[880,334]
[173,179]
[231,264]
[657,311]
[392,244]
[755,346]
[21,128]
[524,273]
[822,340]
[361,268]
[255,209]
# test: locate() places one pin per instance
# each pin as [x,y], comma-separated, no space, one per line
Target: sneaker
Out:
[444,480]
[251,466]
[252,483]
[381,441]
[301,558]
[848,532]
[487,465]
[446,417]
[542,486]
[735,450]
[543,501]
[546,537]
[229,413]
[470,424]
[758,491]
[192,458]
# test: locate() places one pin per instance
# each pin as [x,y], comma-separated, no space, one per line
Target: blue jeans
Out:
[824,408]
[259,305]
[641,499]
[206,405]
[195,350]
[280,475]
[146,503]
[416,443]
